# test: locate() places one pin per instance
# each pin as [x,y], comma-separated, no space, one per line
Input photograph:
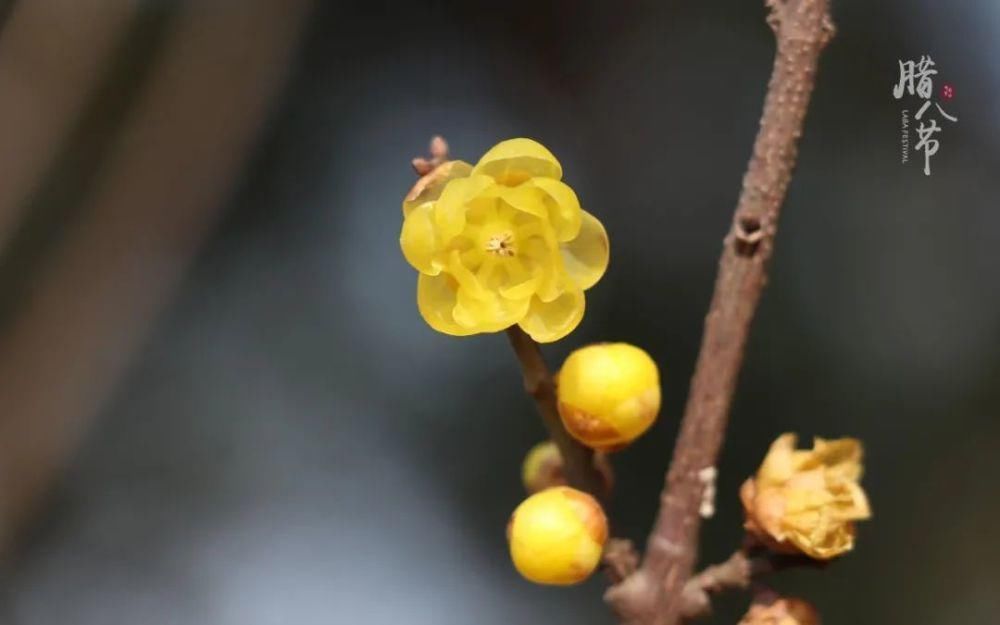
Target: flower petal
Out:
[436,298]
[541,257]
[563,207]
[467,280]
[778,466]
[842,456]
[860,509]
[547,322]
[513,161]
[490,315]
[419,241]
[525,198]
[450,209]
[586,256]
[519,283]
[429,187]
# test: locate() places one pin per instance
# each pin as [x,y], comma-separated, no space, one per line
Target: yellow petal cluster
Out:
[609,394]
[784,611]
[557,536]
[504,242]
[807,500]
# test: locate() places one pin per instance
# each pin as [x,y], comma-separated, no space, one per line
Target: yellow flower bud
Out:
[807,501]
[609,394]
[785,611]
[543,467]
[557,536]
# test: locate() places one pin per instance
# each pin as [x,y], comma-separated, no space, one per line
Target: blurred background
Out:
[219,405]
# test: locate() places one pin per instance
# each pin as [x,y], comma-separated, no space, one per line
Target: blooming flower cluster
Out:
[504,242]
[806,501]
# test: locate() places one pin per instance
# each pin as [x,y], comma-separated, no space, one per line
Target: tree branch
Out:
[735,573]
[578,460]
[742,569]
[620,559]
[652,595]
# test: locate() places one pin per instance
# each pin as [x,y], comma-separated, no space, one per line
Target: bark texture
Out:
[653,595]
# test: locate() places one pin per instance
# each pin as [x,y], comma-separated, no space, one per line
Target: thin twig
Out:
[652,595]
[735,573]
[742,569]
[620,559]
[578,460]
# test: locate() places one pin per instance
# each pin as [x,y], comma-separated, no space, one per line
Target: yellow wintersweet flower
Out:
[557,536]
[502,243]
[807,500]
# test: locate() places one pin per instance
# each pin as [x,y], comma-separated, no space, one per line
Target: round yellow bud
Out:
[543,467]
[609,394]
[557,536]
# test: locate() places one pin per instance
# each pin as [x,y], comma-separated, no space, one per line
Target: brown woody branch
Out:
[578,460]
[737,573]
[653,594]
[620,559]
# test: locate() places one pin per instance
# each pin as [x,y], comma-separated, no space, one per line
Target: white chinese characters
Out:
[916,79]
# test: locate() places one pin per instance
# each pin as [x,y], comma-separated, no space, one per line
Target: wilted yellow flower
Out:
[557,536]
[784,611]
[609,394]
[807,501]
[502,243]
[543,467]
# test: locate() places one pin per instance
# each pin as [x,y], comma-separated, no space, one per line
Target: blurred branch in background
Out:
[52,55]
[178,157]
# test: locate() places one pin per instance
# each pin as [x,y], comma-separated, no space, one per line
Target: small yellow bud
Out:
[609,394]
[806,501]
[785,611]
[557,536]
[543,467]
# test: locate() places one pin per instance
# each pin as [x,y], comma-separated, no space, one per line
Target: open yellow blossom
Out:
[557,536]
[504,242]
[807,500]
[783,611]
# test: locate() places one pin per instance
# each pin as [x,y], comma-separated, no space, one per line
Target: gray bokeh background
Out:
[292,444]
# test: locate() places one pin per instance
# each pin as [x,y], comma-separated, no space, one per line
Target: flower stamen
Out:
[501,244]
